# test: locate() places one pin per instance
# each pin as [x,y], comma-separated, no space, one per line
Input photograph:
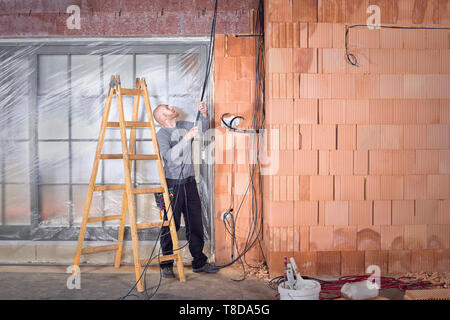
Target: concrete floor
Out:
[108,283]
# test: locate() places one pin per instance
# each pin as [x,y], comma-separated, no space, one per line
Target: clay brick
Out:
[328,263]
[444,212]
[444,161]
[343,86]
[360,213]
[336,213]
[341,162]
[321,238]
[344,238]
[405,61]
[382,214]
[320,35]
[368,137]
[349,188]
[438,186]
[280,60]
[444,61]
[324,162]
[405,111]
[275,261]
[442,260]
[391,86]
[306,111]
[306,213]
[399,261]
[338,35]
[373,189]
[304,188]
[305,162]
[414,39]
[428,111]
[279,10]
[331,10]
[422,260]
[305,132]
[304,10]
[428,61]
[324,137]
[438,136]
[301,239]
[281,213]
[346,137]
[245,68]
[391,137]
[355,11]
[391,38]
[315,86]
[378,258]
[402,212]
[438,236]
[280,111]
[381,61]
[333,61]
[392,237]
[403,162]
[368,238]
[426,212]
[427,161]
[416,86]
[381,111]
[331,111]
[415,137]
[305,60]
[306,262]
[360,162]
[357,112]
[286,162]
[380,162]
[367,86]
[391,187]
[321,188]
[352,262]
[239,91]
[415,237]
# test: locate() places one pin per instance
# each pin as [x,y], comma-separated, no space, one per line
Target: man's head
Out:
[164,114]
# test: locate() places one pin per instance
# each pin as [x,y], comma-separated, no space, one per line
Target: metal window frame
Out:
[38,232]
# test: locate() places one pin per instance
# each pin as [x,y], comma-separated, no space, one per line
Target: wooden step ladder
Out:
[128,155]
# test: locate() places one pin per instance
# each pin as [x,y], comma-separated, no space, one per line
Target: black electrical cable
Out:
[351,58]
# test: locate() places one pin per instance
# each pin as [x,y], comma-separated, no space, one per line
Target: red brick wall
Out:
[368,180]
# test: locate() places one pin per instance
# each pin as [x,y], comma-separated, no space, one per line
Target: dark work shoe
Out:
[168,272]
[207,268]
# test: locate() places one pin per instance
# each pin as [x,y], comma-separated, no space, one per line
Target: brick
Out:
[304,188]
[357,112]
[324,162]
[444,161]
[305,162]
[352,262]
[328,263]
[275,262]
[333,61]
[346,137]
[391,38]
[373,189]
[305,60]
[305,132]
[344,238]
[438,186]
[331,10]
[320,35]
[280,111]
[341,162]
[438,236]
[338,34]
[422,260]
[391,86]
[444,212]
[306,262]
[402,212]
[428,61]
[444,61]
[336,213]
[368,238]
[428,111]
[438,136]
[378,258]
[414,39]
[381,61]
[427,212]
[343,86]
[239,91]
[382,214]
[315,86]
[405,111]
[286,162]
[405,61]
[368,137]
[391,137]
[324,137]
[391,187]
[360,162]
[306,213]
[225,68]
[245,68]
[321,187]
[280,60]
[415,237]
[332,111]
[304,10]
[403,162]
[306,111]
[442,260]
[301,239]
[415,137]
[280,11]
[360,213]
[355,11]
[427,161]
[381,111]
[321,238]
[399,261]
[380,162]
[367,86]
[392,237]
[350,188]
[281,213]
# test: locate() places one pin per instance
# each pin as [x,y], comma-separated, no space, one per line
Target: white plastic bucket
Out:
[310,291]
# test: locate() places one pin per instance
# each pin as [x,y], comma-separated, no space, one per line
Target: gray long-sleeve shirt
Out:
[176,151]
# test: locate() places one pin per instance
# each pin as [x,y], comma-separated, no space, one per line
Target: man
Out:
[174,139]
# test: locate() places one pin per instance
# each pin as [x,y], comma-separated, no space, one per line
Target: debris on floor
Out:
[437,279]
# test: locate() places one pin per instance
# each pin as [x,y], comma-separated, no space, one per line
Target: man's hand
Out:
[191,134]
[202,109]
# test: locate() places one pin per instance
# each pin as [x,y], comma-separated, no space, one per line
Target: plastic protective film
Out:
[52,101]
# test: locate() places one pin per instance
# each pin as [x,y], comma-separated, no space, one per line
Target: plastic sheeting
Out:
[52,100]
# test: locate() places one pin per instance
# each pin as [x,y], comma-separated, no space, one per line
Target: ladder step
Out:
[129,124]
[152,225]
[130,156]
[147,190]
[100,248]
[105,218]
[131,92]
[110,187]
[161,259]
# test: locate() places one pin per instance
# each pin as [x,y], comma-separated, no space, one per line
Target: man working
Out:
[174,139]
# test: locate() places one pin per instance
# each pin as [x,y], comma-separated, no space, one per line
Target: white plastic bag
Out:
[359,290]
